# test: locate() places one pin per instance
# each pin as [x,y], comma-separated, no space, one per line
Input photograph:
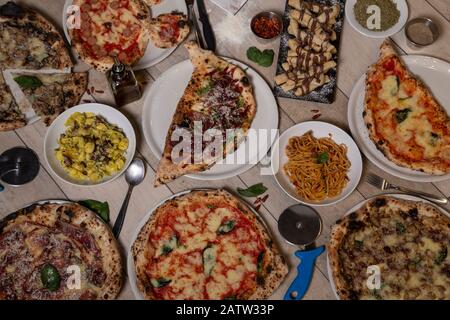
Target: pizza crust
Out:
[274,266]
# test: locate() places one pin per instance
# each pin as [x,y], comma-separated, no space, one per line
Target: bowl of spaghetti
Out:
[316,163]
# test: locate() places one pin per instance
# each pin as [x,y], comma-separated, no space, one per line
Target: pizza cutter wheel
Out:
[301,225]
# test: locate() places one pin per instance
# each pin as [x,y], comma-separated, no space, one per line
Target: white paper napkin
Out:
[231,6]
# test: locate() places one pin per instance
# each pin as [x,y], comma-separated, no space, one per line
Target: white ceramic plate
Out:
[161,102]
[350,15]
[111,115]
[320,130]
[356,208]
[435,74]
[153,55]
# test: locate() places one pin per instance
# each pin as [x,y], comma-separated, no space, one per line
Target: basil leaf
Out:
[100,208]
[226,227]
[28,82]
[402,115]
[442,255]
[159,283]
[323,158]
[263,58]
[50,277]
[260,261]
[253,191]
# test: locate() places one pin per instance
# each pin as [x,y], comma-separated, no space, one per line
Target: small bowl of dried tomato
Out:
[267,25]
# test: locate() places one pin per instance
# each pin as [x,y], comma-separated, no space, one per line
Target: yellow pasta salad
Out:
[91,148]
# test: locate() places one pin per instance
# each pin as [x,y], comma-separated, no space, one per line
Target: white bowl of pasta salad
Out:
[89,145]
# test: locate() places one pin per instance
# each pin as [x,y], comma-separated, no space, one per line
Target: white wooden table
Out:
[356,54]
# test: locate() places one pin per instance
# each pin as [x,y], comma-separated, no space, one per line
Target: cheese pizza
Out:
[111,29]
[219,99]
[45,248]
[406,241]
[404,120]
[206,245]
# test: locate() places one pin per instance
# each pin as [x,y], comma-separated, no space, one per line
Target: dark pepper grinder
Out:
[124,84]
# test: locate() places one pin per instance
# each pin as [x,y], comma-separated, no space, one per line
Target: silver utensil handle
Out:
[122,213]
[435,199]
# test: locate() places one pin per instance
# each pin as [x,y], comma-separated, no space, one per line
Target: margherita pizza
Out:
[111,29]
[168,30]
[219,99]
[404,120]
[42,246]
[406,241]
[206,245]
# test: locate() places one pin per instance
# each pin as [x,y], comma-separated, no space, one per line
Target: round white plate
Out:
[161,102]
[357,207]
[350,16]
[153,55]
[113,116]
[435,74]
[320,130]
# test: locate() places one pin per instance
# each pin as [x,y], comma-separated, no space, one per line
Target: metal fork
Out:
[384,185]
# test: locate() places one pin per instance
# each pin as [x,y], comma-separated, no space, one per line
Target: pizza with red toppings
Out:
[109,29]
[206,245]
[169,29]
[219,103]
[404,120]
[58,252]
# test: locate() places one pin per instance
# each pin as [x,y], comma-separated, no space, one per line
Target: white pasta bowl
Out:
[58,127]
[402,6]
[320,130]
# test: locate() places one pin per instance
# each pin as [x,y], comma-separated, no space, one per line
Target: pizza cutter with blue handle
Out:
[301,225]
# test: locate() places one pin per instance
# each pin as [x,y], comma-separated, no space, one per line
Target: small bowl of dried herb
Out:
[377,18]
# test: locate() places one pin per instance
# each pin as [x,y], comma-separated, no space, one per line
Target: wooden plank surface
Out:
[356,54]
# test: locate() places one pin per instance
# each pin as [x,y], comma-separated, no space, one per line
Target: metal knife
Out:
[194,23]
[208,33]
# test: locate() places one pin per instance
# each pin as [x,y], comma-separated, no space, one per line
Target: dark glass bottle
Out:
[124,84]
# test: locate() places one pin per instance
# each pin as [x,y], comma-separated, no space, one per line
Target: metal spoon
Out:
[134,175]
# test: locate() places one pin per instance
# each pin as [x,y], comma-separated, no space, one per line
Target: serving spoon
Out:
[134,175]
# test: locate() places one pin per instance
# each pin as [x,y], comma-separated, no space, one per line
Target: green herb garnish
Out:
[263,58]
[159,283]
[100,208]
[50,277]
[204,90]
[260,262]
[323,157]
[400,228]
[226,227]
[442,255]
[28,82]
[402,115]
[253,191]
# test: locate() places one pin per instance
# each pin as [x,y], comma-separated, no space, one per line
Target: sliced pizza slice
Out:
[217,103]
[168,30]
[404,120]
[52,94]
[31,42]
[10,115]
